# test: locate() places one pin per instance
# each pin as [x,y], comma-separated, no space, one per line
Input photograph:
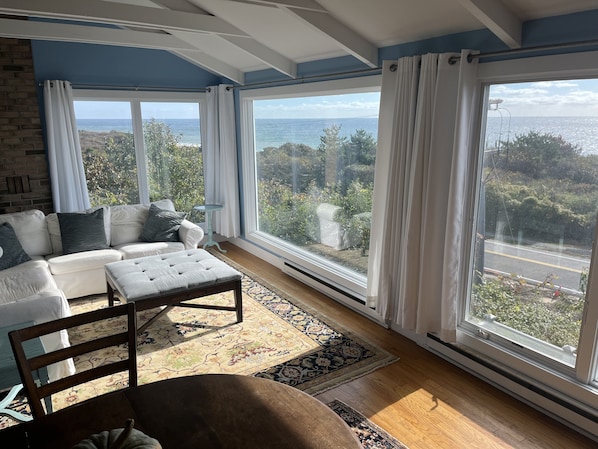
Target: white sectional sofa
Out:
[37,290]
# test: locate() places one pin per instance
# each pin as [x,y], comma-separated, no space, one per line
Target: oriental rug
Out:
[370,435]
[280,338]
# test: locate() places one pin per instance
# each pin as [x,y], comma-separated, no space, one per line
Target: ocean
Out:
[581,131]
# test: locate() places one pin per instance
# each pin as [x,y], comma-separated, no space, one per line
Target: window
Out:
[141,149]
[531,303]
[309,154]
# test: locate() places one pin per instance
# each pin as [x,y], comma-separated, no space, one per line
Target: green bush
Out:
[283,214]
[175,171]
[542,311]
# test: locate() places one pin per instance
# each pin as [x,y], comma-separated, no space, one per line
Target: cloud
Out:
[549,98]
[556,84]
[334,106]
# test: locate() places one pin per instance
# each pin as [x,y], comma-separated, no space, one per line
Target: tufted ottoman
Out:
[171,278]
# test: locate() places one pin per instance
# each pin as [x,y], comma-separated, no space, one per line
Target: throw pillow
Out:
[13,253]
[82,231]
[161,225]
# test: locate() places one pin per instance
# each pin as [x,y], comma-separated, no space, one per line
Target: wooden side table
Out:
[208,209]
[9,374]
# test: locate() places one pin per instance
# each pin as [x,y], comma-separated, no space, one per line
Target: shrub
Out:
[542,311]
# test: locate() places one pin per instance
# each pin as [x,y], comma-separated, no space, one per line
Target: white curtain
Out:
[424,138]
[69,186]
[220,160]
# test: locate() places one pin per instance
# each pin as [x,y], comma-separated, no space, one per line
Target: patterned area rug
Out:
[370,435]
[279,338]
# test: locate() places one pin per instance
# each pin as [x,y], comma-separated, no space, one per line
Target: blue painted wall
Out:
[115,66]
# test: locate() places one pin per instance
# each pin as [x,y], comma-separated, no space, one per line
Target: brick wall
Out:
[24,175]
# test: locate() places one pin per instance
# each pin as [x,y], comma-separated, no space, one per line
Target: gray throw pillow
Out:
[161,225]
[13,253]
[82,231]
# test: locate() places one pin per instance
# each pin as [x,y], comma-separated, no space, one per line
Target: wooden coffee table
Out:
[216,411]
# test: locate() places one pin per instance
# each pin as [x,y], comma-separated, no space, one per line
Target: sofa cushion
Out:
[26,279]
[82,231]
[31,230]
[127,221]
[40,308]
[161,225]
[11,251]
[54,228]
[142,249]
[83,261]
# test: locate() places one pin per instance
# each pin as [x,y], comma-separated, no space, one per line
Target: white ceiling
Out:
[232,37]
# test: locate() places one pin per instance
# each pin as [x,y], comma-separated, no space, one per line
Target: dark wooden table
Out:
[212,411]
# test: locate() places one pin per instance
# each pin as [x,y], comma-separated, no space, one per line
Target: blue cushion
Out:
[161,225]
[82,231]
[13,253]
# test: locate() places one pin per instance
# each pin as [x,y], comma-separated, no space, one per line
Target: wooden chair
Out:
[35,393]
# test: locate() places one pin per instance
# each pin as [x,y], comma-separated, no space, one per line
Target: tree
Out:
[545,190]
[542,155]
[294,165]
[175,171]
[110,167]
[331,144]
[358,157]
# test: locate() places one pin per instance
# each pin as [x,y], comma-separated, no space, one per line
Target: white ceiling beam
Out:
[28,29]
[179,5]
[252,47]
[266,55]
[344,36]
[212,64]
[120,14]
[497,18]
[310,5]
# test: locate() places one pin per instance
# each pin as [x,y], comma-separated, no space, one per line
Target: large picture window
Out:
[532,302]
[141,149]
[309,157]
[537,215]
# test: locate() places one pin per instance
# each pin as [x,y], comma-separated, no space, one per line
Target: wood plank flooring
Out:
[423,400]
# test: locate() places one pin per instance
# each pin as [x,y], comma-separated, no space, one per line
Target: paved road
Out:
[534,264]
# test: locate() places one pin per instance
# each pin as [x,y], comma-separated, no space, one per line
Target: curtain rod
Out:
[135,88]
[514,51]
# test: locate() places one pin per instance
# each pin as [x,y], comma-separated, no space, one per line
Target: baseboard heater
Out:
[579,418]
[317,282]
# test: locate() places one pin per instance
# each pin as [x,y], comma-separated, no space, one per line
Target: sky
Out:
[570,98]
[536,99]
[332,106]
[122,110]
[362,105]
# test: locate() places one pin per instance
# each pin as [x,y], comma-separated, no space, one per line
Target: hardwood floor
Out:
[423,400]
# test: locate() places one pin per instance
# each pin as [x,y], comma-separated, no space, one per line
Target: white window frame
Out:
[135,98]
[335,275]
[575,385]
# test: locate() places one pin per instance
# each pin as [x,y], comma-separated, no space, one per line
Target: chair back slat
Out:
[26,366]
[76,350]
[82,377]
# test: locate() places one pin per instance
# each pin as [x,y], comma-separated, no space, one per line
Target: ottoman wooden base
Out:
[171,279]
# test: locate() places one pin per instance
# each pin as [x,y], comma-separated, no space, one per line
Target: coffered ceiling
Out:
[232,37]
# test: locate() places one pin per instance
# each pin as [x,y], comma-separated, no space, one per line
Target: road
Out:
[534,264]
